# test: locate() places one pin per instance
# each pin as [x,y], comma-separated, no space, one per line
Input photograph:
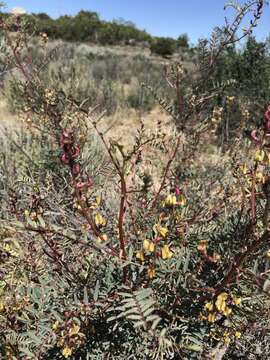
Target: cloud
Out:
[18,11]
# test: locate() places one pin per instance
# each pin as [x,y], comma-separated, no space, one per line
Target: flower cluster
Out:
[220,306]
[69,335]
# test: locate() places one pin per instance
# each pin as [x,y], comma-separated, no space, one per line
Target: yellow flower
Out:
[55,326]
[268,254]
[227,311]
[182,200]
[202,245]
[140,255]
[102,237]
[9,250]
[216,257]
[74,330]
[202,317]
[221,302]
[223,296]
[211,317]
[259,177]
[166,253]
[227,340]
[2,306]
[67,352]
[244,169]
[170,200]
[163,231]
[237,301]
[99,220]
[148,245]
[237,334]
[230,99]
[151,272]
[209,306]
[259,155]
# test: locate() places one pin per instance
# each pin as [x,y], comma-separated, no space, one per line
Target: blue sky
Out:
[158,17]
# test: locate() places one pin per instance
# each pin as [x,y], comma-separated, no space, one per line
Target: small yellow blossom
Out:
[170,200]
[244,168]
[148,245]
[221,302]
[216,257]
[230,99]
[211,317]
[245,113]
[202,317]
[99,220]
[237,334]
[223,296]
[182,200]
[227,311]
[2,306]
[202,245]
[10,250]
[140,255]
[102,237]
[268,254]
[259,155]
[166,253]
[227,340]
[163,231]
[237,301]
[74,330]
[55,326]
[209,306]
[67,352]
[259,177]
[151,272]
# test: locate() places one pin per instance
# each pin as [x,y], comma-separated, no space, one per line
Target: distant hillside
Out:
[87,26]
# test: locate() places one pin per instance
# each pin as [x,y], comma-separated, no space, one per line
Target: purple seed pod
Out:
[267,115]
[64,159]
[75,151]
[66,137]
[82,185]
[254,136]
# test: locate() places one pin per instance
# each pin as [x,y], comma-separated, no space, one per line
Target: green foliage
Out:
[163,46]
[183,41]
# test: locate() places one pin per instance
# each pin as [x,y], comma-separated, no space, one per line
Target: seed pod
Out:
[75,151]
[64,159]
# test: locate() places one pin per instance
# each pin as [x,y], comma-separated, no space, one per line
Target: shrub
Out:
[144,251]
[163,47]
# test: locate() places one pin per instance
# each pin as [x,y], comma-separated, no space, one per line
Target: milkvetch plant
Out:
[172,265]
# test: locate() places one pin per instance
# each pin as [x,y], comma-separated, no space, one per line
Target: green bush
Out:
[163,47]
